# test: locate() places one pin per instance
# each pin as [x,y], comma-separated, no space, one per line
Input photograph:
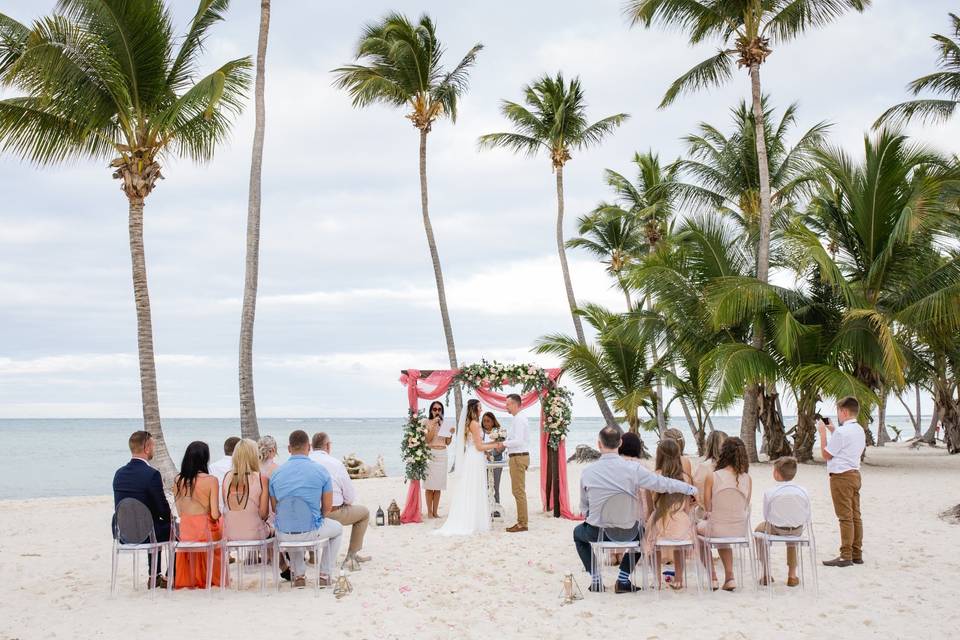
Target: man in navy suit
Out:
[137,479]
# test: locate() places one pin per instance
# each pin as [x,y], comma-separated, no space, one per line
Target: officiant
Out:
[439,437]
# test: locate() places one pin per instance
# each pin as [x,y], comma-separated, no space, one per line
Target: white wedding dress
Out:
[469,506]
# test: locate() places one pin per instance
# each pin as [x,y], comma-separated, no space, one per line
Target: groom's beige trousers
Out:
[518,482]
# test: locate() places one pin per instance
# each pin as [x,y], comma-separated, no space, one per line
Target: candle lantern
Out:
[342,586]
[393,514]
[380,517]
[570,592]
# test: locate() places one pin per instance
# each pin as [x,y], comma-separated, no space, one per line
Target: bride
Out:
[469,509]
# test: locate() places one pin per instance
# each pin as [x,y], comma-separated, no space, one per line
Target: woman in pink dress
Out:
[726,500]
[670,514]
[267,447]
[707,465]
[245,496]
[198,506]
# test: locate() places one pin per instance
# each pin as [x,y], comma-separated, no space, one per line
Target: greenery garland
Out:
[414,448]
[530,377]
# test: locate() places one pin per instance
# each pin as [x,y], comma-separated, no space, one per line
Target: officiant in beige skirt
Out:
[439,437]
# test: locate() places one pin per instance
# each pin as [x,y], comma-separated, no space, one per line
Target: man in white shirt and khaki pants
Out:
[344,507]
[518,455]
[843,451]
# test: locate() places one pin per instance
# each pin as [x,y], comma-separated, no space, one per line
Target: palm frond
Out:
[712,72]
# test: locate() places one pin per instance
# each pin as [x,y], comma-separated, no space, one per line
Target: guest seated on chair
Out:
[198,504]
[707,465]
[138,480]
[670,515]
[344,508]
[784,517]
[725,518]
[610,476]
[245,496]
[676,434]
[268,456]
[300,477]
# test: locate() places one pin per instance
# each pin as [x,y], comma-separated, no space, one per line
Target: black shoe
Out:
[595,588]
[625,587]
[838,562]
[285,574]
[857,561]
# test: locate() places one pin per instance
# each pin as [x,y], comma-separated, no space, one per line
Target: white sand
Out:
[55,563]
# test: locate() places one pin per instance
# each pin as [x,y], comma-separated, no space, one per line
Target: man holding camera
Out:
[843,451]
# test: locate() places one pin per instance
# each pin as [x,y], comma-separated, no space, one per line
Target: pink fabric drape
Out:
[439,382]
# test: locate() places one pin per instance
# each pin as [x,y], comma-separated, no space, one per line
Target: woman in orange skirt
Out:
[197,497]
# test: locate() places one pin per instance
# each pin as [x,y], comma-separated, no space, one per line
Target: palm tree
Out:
[103,80]
[617,364]
[886,220]
[619,232]
[945,82]
[745,30]
[404,68]
[554,120]
[722,174]
[248,406]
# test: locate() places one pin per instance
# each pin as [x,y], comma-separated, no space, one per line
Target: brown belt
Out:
[843,473]
[514,455]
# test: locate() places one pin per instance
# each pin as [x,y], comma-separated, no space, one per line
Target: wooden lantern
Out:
[393,514]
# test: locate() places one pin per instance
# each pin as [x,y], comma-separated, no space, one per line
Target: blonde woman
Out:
[677,435]
[268,456]
[245,496]
[711,452]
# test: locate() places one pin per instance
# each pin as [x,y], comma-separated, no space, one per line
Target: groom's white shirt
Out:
[518,438]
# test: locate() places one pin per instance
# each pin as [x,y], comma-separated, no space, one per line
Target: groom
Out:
[518,454]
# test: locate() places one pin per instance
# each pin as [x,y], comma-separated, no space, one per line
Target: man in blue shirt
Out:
[301,477]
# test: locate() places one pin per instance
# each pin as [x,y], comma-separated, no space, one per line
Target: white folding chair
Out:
[624,535]
[207,547]
[294,516]
[133,534]
[729,501]
[794,508]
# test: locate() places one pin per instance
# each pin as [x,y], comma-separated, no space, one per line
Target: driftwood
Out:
[584,453]
[357,470]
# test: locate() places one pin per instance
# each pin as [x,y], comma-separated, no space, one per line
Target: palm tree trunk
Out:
[883,436]
[437,270]
[751,405]
[571,300]
[248,406]
[917,397]
[148,368]
[661,418]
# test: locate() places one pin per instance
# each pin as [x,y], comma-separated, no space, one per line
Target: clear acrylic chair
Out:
[794,508]
[134,534]
[207,547]
[730,512]
[686,547]
[623,534]
[294,516]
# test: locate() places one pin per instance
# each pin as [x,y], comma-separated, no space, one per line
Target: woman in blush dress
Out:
[245,496]
[676,434]
[707,465]
[670,515]
[726,515]
[196,495]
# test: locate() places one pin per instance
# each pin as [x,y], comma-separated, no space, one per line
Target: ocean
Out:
[61,457]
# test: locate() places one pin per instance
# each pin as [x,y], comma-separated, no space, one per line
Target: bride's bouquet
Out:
[498,435]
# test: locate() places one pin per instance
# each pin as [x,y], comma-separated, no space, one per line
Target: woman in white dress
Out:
[469,509]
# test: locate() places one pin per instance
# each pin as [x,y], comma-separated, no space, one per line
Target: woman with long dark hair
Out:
[438,437]
[490,424]
[197,497]
[726,511]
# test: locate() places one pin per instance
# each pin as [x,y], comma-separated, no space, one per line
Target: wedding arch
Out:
[485,380]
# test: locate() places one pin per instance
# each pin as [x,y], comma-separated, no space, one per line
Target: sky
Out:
[347,296]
